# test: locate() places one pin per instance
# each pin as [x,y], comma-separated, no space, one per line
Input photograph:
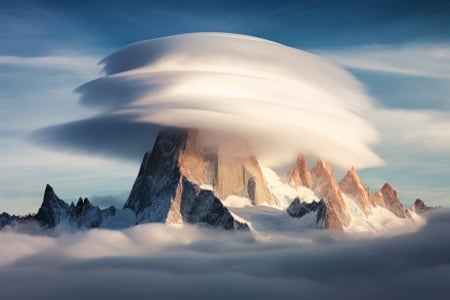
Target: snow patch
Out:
[284,192]
[381,222]
[236,201]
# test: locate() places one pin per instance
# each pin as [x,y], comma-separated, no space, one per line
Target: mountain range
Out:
[187,179]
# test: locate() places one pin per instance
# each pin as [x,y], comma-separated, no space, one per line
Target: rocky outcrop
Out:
[198,206]
[326,187]
[298,209]
[55,211]
[165,192]
[419,207]
[299,175]
[352,186]
[391,201]
[5,219]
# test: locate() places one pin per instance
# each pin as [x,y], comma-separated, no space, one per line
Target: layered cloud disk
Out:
[155,261]
[284,100]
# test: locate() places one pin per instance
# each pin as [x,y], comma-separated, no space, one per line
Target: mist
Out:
[162,262]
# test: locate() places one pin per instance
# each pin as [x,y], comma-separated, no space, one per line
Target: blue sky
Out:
[400,51]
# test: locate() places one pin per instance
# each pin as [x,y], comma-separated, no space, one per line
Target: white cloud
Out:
[421,129]
[282,99]
[160,262]
[426,60]
[83,64]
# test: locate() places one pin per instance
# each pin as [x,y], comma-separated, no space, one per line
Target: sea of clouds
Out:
[156,261]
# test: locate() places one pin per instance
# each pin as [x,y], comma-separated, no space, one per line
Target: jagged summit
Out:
[189,177]
[391,200]
[53,209]
[353,186]
[299,175]
[183,153]
[420,207]
[325,186]
[345,199]
[168,183]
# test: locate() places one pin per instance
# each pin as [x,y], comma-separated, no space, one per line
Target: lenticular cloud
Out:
[283,100]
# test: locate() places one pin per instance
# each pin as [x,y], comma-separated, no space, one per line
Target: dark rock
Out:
[298,209]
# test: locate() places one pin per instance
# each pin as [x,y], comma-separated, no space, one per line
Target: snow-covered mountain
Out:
[55,212]
[188,179]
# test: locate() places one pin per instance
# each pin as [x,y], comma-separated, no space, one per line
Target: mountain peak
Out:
[180,162]
[299,175]
[325,186]
[391,200]
[420,207]
[52,209]
[353,186]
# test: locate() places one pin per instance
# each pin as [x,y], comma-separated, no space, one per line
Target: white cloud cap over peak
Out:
[285,101]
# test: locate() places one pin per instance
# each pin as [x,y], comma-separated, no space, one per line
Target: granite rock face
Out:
[167,190]
[391,201]
[326,187]
[226,164]
[353,186]
[298,209]
[299,175]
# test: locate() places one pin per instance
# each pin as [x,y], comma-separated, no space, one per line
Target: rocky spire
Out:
[325,186]
[53,210]
[420,207]
[299,175]
[167,188]
[352,185]
[391,201]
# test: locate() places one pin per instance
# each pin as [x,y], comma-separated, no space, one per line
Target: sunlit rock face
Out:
[326,187]
[391,201]
[226,164]
[353,186]
[299,175]
[170,187]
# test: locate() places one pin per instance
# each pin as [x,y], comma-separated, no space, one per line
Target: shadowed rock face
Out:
[53,210]
[167,188]
[298,209]
[326,187]
[420,207]
[158,178]
[202,207]
[5,219]
[352,185]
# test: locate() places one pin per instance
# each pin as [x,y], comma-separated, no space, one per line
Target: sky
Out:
[398,50]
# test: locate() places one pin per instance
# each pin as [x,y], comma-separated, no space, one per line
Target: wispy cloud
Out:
[425,60]
[83,64]
[422,129]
